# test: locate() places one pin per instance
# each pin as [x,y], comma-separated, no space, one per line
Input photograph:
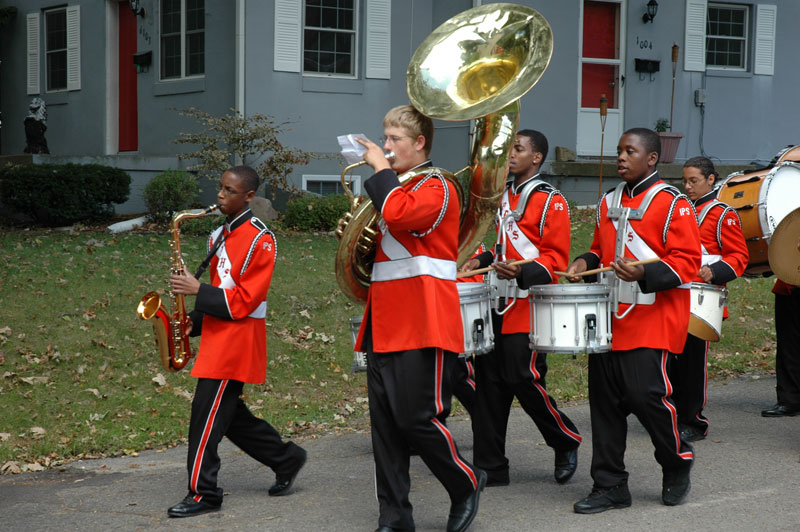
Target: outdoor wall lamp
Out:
[652,9]
[136,7]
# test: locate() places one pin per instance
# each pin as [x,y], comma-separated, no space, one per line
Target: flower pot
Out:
[669,145]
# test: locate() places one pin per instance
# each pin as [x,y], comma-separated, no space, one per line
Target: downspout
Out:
[239,103]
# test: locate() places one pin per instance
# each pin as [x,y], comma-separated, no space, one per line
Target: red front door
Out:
[128,108]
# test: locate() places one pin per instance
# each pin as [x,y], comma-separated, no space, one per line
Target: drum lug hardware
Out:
[591,328]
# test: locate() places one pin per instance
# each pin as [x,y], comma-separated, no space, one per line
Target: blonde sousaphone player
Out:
[475,66]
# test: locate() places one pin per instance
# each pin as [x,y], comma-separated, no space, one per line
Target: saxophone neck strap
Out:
[202,268]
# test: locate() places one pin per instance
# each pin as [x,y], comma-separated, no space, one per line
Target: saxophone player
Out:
[230,313]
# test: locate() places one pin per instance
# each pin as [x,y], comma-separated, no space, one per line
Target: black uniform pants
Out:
[463,382]
[513,370]
[688,373]
[409,401]
[217,411]
[632,382]
[787,352]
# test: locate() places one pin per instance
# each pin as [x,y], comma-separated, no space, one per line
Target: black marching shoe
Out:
[462,514]
[780,410]
[188,507]
[691,434]
[283,483]
[602,499]
[566,464]
[675,486]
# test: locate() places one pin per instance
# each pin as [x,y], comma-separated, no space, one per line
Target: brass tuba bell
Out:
[477,65]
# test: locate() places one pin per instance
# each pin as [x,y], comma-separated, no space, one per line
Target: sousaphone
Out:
[477,65]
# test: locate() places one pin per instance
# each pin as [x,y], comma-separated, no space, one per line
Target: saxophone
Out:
[170,328]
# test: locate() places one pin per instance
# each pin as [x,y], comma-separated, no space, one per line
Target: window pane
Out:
[170,57]
[346,19]
[328,18]
[195,54]
[313,16]
[311,40]
[57,70]
[326,62]
[56,24]
[170,16]
[195,15]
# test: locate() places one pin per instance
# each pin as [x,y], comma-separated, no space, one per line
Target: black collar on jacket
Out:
[706,198]
[239,220]
[641,186]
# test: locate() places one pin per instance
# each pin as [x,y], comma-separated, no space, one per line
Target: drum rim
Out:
[584,288]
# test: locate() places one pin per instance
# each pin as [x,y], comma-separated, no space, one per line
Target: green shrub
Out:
[62,194]
[169,192]
[202,226]
[315,213]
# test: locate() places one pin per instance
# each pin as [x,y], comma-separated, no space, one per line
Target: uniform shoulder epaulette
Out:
[258,224]
[254,242]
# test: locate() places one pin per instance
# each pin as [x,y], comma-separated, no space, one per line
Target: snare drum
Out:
[762,199]
[359,357]
[707,309]
[571,318]
[476,318]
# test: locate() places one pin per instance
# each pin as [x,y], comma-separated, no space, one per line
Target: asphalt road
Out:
[746,478]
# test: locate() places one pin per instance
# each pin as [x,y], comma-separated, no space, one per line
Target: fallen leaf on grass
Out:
[4,436]
[10,468]
[35,380]
[305,314]
[159,380]
[33,467]
[38,432]
[94,392]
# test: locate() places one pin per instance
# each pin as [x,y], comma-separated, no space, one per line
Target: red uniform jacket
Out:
[669,231]
[232,309]
[413,301]
[543,234]
[724,248]
[783,289]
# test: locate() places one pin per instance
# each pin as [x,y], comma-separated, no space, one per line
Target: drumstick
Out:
[490,268]
[608,268]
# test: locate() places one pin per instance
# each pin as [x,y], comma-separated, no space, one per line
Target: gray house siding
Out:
[748,117]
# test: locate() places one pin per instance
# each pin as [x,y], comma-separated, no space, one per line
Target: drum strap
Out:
[528,188]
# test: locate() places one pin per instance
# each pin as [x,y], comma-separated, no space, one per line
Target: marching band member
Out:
[652,319]
[787,350]
[542,233]
[412,330]
[229,315]
[724,259]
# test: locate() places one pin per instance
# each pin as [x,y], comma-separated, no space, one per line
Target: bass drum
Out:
[762,199]
[790,153]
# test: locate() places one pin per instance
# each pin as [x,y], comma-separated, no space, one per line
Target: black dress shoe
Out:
[780,410]
[602,499]
[462,514]
[675,486]
[390,529]
[566,464]
[691,434]
[188,507]
[283,483]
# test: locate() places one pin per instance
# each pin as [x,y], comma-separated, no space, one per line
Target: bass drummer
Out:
[724,259]
[542,233]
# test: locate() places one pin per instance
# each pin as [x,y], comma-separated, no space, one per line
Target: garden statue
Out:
[35,126]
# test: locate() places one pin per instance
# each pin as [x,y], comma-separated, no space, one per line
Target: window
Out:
[55,30]
[182,38]
[327,185]
[329,37]
[726,36]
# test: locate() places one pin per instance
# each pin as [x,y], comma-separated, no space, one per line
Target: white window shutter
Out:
[379,37]
[73,48]
[33,53]
[766,17]
[694,54]
[288,42]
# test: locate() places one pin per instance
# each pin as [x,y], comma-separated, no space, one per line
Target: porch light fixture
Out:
[652,9]
[136,7]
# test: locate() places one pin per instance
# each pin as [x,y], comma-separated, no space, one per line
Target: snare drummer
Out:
[513,369]
[632,377]
[724,259]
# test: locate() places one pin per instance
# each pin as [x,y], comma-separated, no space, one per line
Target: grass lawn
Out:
[80,377]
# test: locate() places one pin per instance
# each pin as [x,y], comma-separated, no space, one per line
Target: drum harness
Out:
[507,289]
[622,215]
